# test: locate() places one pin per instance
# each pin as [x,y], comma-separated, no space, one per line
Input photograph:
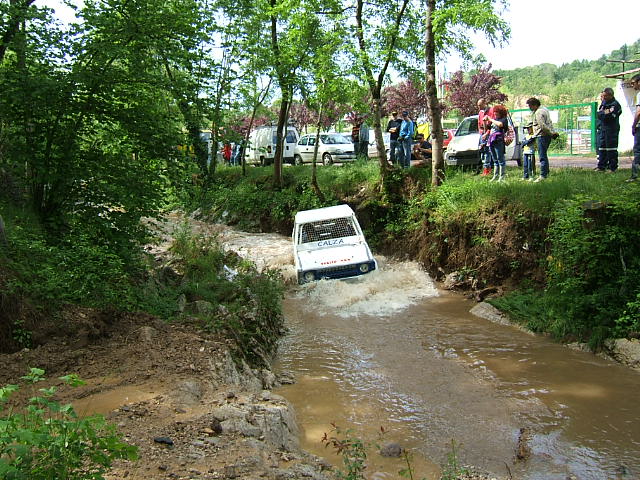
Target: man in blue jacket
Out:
[609,122]
[405,139]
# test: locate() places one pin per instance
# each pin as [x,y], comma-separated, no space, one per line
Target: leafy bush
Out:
[46,440]
[248,302]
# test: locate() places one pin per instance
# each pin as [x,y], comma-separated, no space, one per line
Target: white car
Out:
[333,147]
[463,148]
[329,243]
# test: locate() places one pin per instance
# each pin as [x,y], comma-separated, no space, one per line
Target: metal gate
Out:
[575,123]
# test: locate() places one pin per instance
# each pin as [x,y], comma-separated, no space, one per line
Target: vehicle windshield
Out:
[467,127]
[327,229]
[334,139]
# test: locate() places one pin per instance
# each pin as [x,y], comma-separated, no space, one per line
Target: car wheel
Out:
[297,159]
[326,159]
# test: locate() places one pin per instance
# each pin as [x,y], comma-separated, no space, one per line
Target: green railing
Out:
[575,123]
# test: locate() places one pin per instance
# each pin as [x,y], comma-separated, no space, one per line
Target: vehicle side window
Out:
[328,229]
[312,141]
[467,127]
[291,136]
[303,141]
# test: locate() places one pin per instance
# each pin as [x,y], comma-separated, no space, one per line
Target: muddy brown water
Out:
[391,350]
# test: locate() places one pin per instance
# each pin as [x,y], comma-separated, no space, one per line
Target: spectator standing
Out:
[544,132]
[635,130]
[355,136]
[608,117]
[226,153]
[393,127]
[406,139]
[484,126]
[363,140]
[499,128]
[528,153]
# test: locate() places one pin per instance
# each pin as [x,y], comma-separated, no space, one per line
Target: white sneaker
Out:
[539,179]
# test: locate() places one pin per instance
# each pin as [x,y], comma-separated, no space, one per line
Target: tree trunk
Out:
[314,178]
[432,94]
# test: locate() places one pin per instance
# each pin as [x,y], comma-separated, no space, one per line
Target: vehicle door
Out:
[310,148]
[290,141]
[301,147]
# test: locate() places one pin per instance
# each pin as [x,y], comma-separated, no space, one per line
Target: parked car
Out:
[463,150]
[373,148]
[333,147]
[262,145]
[329,243]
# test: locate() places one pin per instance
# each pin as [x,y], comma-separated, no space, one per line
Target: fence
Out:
[575,123]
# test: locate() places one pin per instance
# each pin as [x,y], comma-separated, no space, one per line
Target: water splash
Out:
[391,288]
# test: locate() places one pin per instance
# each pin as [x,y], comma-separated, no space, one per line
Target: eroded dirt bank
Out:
[176,393]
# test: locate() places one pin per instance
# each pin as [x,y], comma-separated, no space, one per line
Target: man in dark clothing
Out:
[609,122]
[393,127]
[422,149]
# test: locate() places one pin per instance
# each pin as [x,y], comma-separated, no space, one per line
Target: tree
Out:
[464,95]
[407,95]
[92,115]
[446,26]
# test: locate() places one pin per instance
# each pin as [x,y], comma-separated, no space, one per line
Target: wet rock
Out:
[489,312]
[452,280]
[216,426]
[286,378]
[391,450]
[164,441]
[624,351]
[480,295]
[523,451]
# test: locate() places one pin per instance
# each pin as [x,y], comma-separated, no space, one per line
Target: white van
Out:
[463,148]
[262,145]
[329,243]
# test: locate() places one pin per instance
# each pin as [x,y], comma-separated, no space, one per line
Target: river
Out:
[391,350]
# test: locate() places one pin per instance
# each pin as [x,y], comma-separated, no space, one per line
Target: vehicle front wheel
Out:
[297,159]
[327,159]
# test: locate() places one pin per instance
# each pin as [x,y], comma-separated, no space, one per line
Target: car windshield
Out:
[467,127]
[334,139]
[327,229]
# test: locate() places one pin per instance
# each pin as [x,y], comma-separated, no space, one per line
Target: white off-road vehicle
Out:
[328,243]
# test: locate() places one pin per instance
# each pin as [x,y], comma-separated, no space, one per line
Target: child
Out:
[529,153]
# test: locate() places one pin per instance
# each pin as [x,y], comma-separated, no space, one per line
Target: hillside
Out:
[575,82]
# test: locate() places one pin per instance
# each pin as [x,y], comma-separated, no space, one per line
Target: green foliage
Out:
[246,303]
[452,470]
[353,451]
[44,440]
[629,323]
[594,264]
[73,270]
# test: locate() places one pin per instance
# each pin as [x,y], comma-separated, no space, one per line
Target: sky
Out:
[560,31]
[545,31]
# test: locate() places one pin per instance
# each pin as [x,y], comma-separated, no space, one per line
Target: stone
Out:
[624,351]
[489,312]
[391,450]
[164,441]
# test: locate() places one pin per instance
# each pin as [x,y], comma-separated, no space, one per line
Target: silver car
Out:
[333,147]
